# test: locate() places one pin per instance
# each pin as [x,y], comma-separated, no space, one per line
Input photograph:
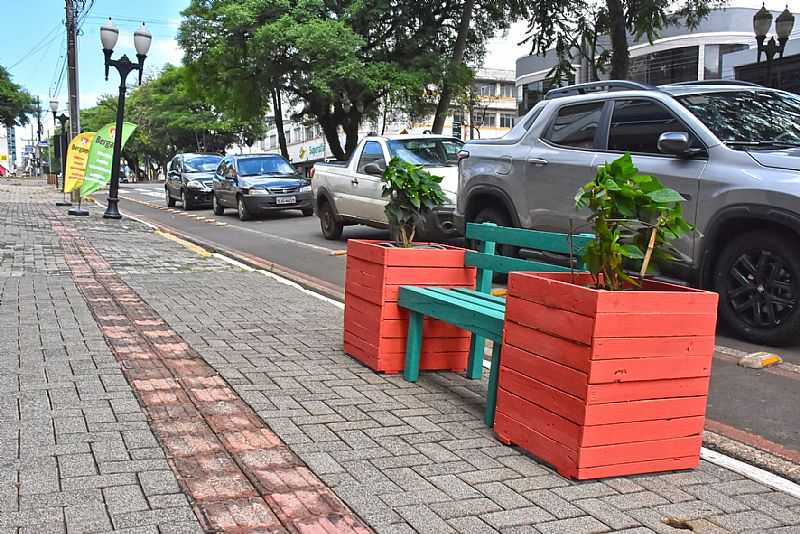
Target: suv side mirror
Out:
[674,143]
[373,168]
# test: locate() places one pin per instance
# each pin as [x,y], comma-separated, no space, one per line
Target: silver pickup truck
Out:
[350,192]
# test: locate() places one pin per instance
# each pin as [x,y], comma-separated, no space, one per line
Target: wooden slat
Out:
[532,239]
[481,320]
[471,297]
[503,264]
[651,389]
[485,296]
[635,468]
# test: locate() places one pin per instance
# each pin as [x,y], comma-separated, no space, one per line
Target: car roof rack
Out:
[717,82]
[603,86]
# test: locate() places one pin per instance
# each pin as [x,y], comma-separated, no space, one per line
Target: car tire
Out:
[331,228]
[241,209]
[170,200]
[308,212]
[216,206]
[757,276]
[500,218]
[187,204]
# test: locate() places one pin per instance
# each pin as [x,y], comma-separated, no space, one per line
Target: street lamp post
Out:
[762,21]
[62,119]
[141,41]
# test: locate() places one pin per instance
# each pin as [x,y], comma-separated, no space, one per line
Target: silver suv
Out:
[732,149]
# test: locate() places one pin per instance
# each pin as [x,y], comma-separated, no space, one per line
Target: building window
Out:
[506,120]
[309,133]
[486,89]
[288,135]
[532,93]
[666,66]
[273,140]
[508,90]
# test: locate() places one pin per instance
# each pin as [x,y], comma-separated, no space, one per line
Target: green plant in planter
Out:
[634,217]
[412,193]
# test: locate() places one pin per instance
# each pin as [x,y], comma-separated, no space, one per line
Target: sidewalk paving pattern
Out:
[144,389]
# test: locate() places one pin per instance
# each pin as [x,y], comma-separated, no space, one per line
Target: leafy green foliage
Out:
[412,192]
[627,209]
[15,103]
[577,29]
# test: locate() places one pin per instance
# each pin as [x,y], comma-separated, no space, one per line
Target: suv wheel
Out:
[241,209]
[757,277]
[169,199]
[216,206]
[331,228]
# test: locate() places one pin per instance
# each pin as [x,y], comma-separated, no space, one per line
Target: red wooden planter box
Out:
[600,383]
[375,327]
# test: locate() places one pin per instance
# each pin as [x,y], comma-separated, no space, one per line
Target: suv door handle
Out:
[354,181]
[539,162]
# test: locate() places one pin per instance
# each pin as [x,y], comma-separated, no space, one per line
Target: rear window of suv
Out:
[576,125]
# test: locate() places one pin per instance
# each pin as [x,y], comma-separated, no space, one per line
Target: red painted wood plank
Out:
[639,452]
[635,468]
[652,389]
[537,418]
[644,410]
[444,276]
[561,323]
[650,430]
[367,274]
[372,295]
[431,329]
[546,371]
[654,324]
[436,344]
[664,297]
[369,250]
[641,369]
[554,348]
[653,347]
[549,398]
[543,448]
[554,290]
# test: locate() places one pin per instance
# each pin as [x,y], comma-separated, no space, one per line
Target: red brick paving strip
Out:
[240,475]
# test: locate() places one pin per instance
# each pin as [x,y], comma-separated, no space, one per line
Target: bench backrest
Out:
[489,235]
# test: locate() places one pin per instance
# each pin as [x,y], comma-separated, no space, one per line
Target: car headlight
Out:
[305,189]
[194,184]
[255,191]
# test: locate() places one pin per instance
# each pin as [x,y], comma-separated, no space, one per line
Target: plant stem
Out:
[649,253]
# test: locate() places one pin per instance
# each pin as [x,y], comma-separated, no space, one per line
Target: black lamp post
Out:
[141,41]
[62,119]
[762,21]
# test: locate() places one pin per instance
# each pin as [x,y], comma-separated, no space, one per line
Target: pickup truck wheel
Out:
[169,199]
[500,218]
[331,228]
[757,277]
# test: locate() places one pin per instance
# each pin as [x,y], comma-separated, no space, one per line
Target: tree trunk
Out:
[351,132]
[331,134]
[443,106]
[277,108]
[620,56]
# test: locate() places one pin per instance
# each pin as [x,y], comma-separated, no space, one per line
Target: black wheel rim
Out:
[761,289]
[327,222]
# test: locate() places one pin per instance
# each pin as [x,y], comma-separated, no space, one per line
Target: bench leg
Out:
[491,390]
[413,347]
[475,363]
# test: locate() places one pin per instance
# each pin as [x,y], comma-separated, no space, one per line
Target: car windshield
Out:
[265,165]
[426,152]
[749,118]
[202,163]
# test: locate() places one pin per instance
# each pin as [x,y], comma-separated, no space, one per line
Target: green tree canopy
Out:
[580,28]
[15,103]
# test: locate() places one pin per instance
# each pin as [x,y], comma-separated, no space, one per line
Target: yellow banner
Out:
[77,155]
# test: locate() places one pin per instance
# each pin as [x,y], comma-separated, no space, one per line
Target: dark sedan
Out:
[190,178]
[256,183]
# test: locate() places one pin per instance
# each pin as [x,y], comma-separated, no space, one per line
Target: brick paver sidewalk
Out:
[145,389]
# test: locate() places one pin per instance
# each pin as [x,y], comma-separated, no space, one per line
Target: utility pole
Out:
[72,70]
[38,151]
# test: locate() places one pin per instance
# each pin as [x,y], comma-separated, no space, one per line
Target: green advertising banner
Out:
[98,163]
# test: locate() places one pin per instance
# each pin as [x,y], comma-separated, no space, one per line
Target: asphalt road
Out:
[762,405]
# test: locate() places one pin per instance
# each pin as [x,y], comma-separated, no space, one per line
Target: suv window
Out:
[576,125]
[173,165]
[372,153]
[637,124]
[222,166]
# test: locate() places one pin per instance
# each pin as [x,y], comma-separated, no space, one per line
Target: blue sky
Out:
[33,45]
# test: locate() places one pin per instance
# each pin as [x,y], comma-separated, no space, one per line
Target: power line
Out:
[42,43]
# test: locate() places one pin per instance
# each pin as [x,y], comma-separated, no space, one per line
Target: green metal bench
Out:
[478,311]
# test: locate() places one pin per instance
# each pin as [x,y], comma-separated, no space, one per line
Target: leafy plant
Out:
[412,193]
[634,217]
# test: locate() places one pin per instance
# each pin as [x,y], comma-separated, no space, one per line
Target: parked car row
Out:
[251,184]
[732,149]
